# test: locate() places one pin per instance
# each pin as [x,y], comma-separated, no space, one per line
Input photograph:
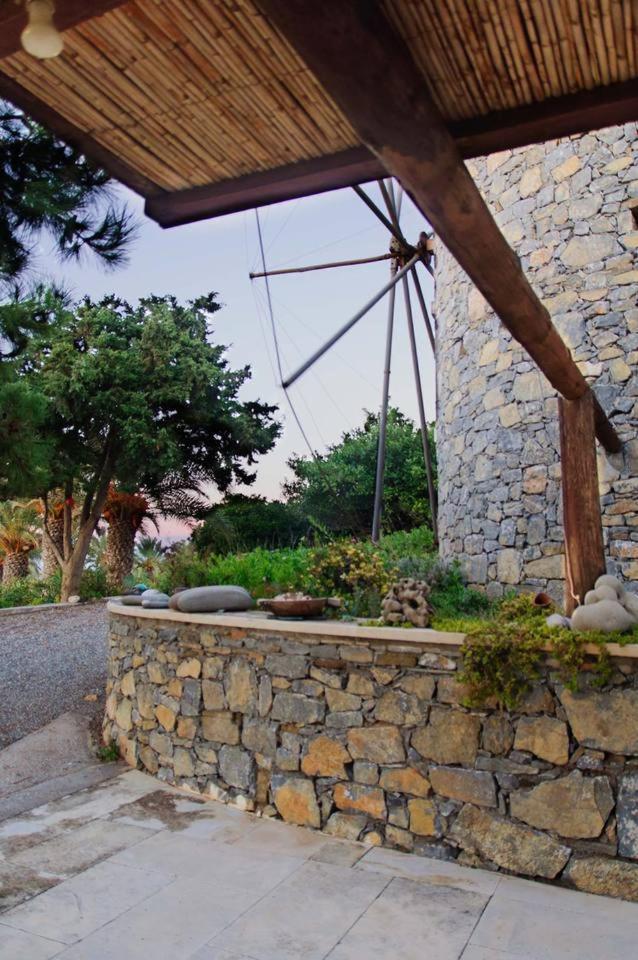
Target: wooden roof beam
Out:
[68,13]
[369,72]
[518,127]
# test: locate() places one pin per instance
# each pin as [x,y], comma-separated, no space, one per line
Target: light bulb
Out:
[40,37]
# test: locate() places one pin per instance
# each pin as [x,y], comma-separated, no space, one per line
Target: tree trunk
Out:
[120,545]
[50,564]
[71,576]
[15,567]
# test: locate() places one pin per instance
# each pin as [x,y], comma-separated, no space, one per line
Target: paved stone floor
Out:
[127,869]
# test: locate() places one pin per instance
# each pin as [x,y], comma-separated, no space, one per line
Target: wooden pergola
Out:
[206,107]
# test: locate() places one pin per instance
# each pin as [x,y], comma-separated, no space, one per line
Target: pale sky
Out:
[218,255]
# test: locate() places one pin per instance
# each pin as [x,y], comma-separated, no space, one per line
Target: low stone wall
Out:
[361,733]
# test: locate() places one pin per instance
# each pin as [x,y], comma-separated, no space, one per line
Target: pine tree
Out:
[48,187]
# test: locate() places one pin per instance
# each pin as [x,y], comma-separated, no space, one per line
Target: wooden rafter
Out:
[369,72]
[505,130]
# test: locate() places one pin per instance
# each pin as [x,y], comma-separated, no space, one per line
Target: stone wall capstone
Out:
[368,739]
[569,208]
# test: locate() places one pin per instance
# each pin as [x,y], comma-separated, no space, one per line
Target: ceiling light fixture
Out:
[40,37]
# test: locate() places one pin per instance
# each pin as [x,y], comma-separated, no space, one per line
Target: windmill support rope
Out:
[273,327]
[351,322]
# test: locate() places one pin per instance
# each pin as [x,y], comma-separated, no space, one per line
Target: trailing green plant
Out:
[502,655]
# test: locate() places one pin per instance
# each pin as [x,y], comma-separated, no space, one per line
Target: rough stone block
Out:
[166,717]
[604,721]
[183,763]
[346,826]
[341,721]
[296,800]
[192,667]
[325,758]
[449,737]
[400,708]
[259,736]
[573,806]
[354,797]
[237,767]
[361,685]
[186,727]
[220,728]
[213,693]
[422,817]
[498,734]
[241,686]
[405,780]
[190,704]
[545,737]
[365,772]
[609,878]
[627,813]
[380,743]
[128,684]
[338,700]
[287,665]
[508,845]
[295,708]
[468,786]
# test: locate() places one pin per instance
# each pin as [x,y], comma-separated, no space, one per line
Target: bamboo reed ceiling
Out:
[189,93]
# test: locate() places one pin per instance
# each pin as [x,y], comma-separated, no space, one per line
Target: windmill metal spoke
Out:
[383,421]
[351,322]
[419,396]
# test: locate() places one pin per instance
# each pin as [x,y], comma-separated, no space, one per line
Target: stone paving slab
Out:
[130,869]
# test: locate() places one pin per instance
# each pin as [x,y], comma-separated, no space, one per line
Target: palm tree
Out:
[18,537]
[125,514]
[97,551]
[55,523]
[148,554]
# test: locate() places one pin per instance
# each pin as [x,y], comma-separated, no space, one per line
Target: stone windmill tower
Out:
[570,210]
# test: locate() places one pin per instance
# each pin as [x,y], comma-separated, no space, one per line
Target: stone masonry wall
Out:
[569,208]
[369,740]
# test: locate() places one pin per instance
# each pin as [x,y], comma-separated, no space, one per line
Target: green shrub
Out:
[263,573]
[30,591]
[414,544]
[348,568]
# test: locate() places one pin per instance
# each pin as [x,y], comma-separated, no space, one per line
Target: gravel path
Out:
[49,661]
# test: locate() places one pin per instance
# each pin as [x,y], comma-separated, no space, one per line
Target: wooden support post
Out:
[365,66]
[584,548]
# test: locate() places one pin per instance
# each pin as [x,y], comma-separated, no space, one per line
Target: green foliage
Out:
[337,490]
[241,523]
[109,754]
[502,655]
[48,188]
[30,591]
[263,573]
[141,393]
[93,585]
[416,544]
[349,568]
